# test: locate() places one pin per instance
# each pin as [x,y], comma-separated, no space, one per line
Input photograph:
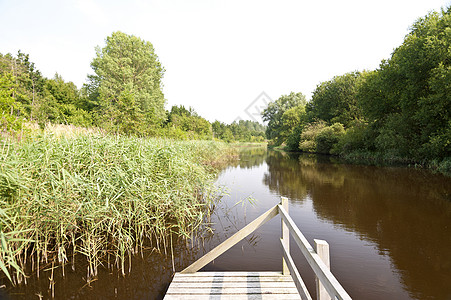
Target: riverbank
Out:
[99,196]
[381,159]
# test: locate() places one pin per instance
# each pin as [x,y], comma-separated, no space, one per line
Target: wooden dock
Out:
[191,284]
[232,285]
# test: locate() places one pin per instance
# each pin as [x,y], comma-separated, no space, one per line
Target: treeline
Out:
[124,96]
[243,131]
[400,112]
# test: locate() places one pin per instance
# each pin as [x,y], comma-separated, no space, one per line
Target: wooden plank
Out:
[233,297]
[236,279]
[232,274]
[233,240]
[232,286]
[193,290]
[285,237]
[322,249]
[240,284]
[331,284]
[297,279]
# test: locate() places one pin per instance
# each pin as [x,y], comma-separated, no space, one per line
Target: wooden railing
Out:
[327,286]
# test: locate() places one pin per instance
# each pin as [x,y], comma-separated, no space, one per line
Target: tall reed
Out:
[104,197]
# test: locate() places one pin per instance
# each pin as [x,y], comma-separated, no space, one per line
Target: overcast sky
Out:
[219,56]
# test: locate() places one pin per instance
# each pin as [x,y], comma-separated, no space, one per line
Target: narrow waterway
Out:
[389,231]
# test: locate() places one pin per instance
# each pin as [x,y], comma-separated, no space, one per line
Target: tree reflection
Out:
[250,157]
[405,212]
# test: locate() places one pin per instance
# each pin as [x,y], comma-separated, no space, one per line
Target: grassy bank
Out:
[384,159]
[100,196]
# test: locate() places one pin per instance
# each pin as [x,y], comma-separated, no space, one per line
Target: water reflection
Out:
[405,213]
[249,157]
[389,231]
[293,175]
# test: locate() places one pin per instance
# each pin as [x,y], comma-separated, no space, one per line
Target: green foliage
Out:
[328,138]
[294,139]
[307,141]
[8,105]
[100,194]
[277,130]
[407,100]
[319,138]
[335,100]
[355,138]
[40,99]
[188,121]
[127,82]
[242,131]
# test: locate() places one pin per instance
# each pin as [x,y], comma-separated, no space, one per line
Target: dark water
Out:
[389,231]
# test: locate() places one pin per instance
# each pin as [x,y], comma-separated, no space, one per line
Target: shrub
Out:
[328,137]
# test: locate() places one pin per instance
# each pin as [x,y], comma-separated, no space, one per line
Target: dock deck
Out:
[232,285]
[288,284]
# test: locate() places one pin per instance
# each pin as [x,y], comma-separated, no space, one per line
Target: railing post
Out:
[322,249]
[285,237]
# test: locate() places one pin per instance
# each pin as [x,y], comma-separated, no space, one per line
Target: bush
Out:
[307,141]
[328,137]
[319,138]
[294,139]
[356,138]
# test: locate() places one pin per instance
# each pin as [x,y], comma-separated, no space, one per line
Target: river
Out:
[389,230]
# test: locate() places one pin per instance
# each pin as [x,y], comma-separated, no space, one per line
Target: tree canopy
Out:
[128,85]
[408,99]
[399,112]
[335,100]
[273,114]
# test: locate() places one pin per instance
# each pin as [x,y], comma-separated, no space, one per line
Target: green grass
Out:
[100,196]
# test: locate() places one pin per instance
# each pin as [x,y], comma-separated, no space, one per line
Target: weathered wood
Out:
[285,237]
[232,285]
[322,249]
[259,285]
[235,284]
[232,275]
[331,284]
[224,290]
[297,279]
[234,297]
[233,240]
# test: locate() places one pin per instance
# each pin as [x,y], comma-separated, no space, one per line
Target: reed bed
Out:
[104,197]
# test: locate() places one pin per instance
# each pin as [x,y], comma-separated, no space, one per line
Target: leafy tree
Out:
[218,129]
[273,114]
[8,105]
[317,137]
[127,82]
[335,100]
[293,121]
[189,121]
[63,104]
[408,99]
[307,141]
[328,138]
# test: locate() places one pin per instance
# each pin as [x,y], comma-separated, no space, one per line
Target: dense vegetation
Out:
[100,196]
[400,112]
[124,95]
[106,189]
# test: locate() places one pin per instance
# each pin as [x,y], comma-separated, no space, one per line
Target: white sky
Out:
[218,55]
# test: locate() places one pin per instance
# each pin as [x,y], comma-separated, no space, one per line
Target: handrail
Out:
[231,241]
[331,284]
[322,272]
